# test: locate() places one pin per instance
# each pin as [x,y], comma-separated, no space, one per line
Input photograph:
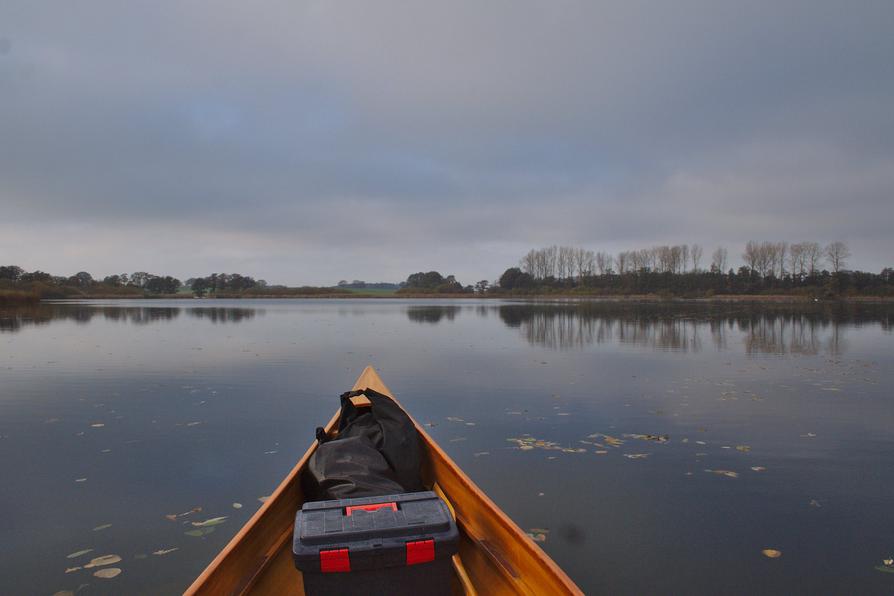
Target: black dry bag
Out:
[376,452]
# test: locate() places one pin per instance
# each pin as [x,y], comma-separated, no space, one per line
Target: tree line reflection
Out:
[689,327]
[765,328]
[15,319]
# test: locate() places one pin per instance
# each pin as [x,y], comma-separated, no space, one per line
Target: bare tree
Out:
[583,262]
[677,258]
[529,263]
[796,259]
[751,255]
[565,262]
[837,254]
[603,262]
[812,256]
[719,260]
[781,249]
[621,261]
[695,253]
[766,258]
[684,257]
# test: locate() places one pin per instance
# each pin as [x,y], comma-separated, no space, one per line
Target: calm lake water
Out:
[675,442]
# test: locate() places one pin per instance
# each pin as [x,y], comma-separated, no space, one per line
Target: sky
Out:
[309,142]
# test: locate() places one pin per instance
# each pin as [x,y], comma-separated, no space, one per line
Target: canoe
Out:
[495,555]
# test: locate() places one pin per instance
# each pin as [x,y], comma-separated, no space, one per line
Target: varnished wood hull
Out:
[495,556]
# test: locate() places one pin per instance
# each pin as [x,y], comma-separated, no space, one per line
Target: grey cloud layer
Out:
[445,134]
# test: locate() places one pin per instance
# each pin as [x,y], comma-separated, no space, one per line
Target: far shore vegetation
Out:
[803,270]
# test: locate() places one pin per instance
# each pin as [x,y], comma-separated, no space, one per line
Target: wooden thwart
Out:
[495,555]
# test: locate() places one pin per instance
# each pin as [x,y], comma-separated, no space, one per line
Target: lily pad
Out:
[727,473]
[108,573]
[214,521]
[79,553]
[103,560]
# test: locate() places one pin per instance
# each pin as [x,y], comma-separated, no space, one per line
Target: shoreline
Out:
[650,298]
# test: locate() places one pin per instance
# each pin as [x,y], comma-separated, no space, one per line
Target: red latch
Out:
[335,561]
[373,507]
[420,551]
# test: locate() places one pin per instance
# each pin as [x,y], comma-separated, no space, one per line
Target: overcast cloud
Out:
[306,142]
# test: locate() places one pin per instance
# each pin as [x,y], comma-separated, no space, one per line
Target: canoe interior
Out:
[495,556]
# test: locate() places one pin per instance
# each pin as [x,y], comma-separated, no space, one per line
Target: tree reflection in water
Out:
[15,319]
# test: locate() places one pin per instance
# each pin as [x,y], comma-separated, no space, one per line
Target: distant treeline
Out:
[20,286]
[801,268]
[359,284]
[770,268]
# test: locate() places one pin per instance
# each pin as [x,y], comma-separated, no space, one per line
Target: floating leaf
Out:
[103,560]
[612,441]
[726,473]
[636,455]
[538,534]
[214,521]
[107,573]
[80,480]
[653,438]
[885,569]
[758,468]
[97,425]
[79,553]
[102,527]
[199,531]
[174,516]
[743,448]
[163,551]
[73,569]
[601,452]
[237,505]
[772,553]
[263,499]
[64,593]
[814,503]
